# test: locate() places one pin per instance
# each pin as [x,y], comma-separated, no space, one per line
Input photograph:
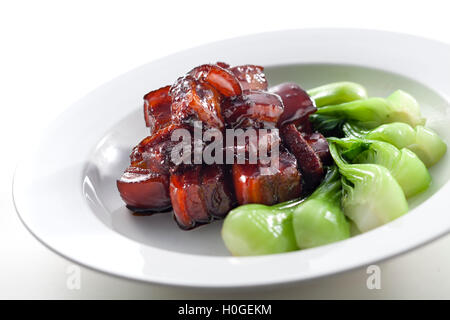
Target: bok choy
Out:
[371,195]
[336,93]
[372,112]
[319,219]
[409,171]
[424,142]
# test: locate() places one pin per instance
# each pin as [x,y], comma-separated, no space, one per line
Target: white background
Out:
[54,52]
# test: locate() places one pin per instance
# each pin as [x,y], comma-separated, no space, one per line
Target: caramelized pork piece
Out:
[251,77]
[289,177]
[194,100]
[144,191]
[223,80]
[251,186]
[217,190]
[157,109]
[198,95]
[252,109]
[223,64]
[297,103]
[308,160]
[154,152]
[305,127]
[320,146]
[200,194]
[189,205]
[248,146]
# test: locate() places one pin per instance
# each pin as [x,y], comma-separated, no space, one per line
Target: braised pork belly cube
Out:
[256,109]
[258,183]
[200,194]
[222,79]
[193,100]
[251,77]
[144,191]
[297,103]
[309,161]
[157,109]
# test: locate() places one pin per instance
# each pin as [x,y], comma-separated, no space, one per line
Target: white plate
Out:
[65,189]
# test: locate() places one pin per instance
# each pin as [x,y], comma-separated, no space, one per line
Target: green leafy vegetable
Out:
[428,146]
[409,171]
[372,112]
[327,125]
[319,219]
[256,229]
[336,93]
[424,142]
[371,195]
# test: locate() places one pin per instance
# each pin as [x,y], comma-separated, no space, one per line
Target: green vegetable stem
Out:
[336,93]
[319,220]
[409,171]
[372,112]
[371,196]
[424,142]
[256,229]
